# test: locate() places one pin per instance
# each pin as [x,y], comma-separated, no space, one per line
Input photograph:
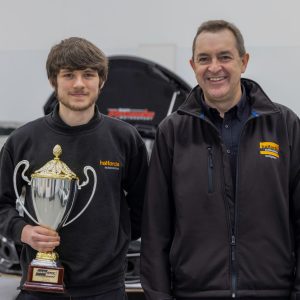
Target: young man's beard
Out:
[75,107]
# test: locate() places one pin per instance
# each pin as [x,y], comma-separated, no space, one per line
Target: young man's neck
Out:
[76,118]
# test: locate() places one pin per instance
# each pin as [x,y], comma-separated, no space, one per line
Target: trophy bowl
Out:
[54,188]
[53,200]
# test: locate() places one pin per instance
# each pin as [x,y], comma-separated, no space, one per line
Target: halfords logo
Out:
[131,114]
[269,149]
[107,164]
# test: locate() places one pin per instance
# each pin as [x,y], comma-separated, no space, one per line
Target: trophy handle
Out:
[18,200]
[86,168]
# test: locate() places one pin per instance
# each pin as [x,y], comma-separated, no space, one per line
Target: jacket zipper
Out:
[210,166]
[233,222]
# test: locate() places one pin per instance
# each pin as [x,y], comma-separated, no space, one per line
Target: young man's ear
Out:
[102,85]
[52,83]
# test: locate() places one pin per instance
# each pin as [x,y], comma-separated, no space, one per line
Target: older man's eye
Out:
[203,60]
[225,58]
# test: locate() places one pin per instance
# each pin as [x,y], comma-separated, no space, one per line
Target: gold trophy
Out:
[54,188]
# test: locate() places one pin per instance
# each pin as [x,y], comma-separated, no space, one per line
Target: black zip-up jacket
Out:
[93,248]
[191,247]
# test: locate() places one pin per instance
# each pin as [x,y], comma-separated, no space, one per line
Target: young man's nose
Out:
[78,81]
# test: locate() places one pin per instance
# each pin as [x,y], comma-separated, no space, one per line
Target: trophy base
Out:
[45,279]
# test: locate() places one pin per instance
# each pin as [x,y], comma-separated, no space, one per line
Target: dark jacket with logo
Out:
[191,247]
[93,248]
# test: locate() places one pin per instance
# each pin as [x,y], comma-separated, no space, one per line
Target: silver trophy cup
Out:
[54,188]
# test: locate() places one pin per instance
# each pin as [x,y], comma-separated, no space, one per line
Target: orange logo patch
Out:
[107,164]
[269,149]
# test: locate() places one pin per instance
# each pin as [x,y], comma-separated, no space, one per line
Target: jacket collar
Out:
[237,111]
[259,101]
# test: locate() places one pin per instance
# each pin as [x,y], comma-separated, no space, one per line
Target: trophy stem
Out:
[48,256]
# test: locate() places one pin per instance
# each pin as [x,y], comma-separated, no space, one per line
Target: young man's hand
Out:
[40,238]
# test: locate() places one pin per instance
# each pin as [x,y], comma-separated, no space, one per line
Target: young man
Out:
[222,210]
[93,248]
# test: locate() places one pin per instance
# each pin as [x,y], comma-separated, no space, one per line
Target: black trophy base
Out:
[45,279]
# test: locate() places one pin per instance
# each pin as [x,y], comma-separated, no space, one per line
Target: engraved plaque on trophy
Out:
[54,188]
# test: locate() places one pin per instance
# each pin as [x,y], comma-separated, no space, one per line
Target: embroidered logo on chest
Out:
[110,165]
[269,149]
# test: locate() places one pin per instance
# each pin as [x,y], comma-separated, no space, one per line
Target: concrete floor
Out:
[8,286]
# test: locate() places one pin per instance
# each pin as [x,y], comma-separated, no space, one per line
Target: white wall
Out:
[161,30]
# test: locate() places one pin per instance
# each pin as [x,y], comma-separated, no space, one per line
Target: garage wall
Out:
[160,30]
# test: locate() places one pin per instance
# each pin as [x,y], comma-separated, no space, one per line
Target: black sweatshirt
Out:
[93,248]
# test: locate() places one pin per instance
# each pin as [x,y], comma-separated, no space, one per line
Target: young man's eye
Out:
[89,75]
[68,75]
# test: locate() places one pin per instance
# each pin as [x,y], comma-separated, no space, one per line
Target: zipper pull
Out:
[232,240]
[233,247]
[210,158]
[234,278]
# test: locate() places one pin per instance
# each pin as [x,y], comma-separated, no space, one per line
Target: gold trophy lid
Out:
[55,168]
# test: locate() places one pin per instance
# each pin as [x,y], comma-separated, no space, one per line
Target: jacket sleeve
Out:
[157,229]
[294,138]
[11,223]
[134,185]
